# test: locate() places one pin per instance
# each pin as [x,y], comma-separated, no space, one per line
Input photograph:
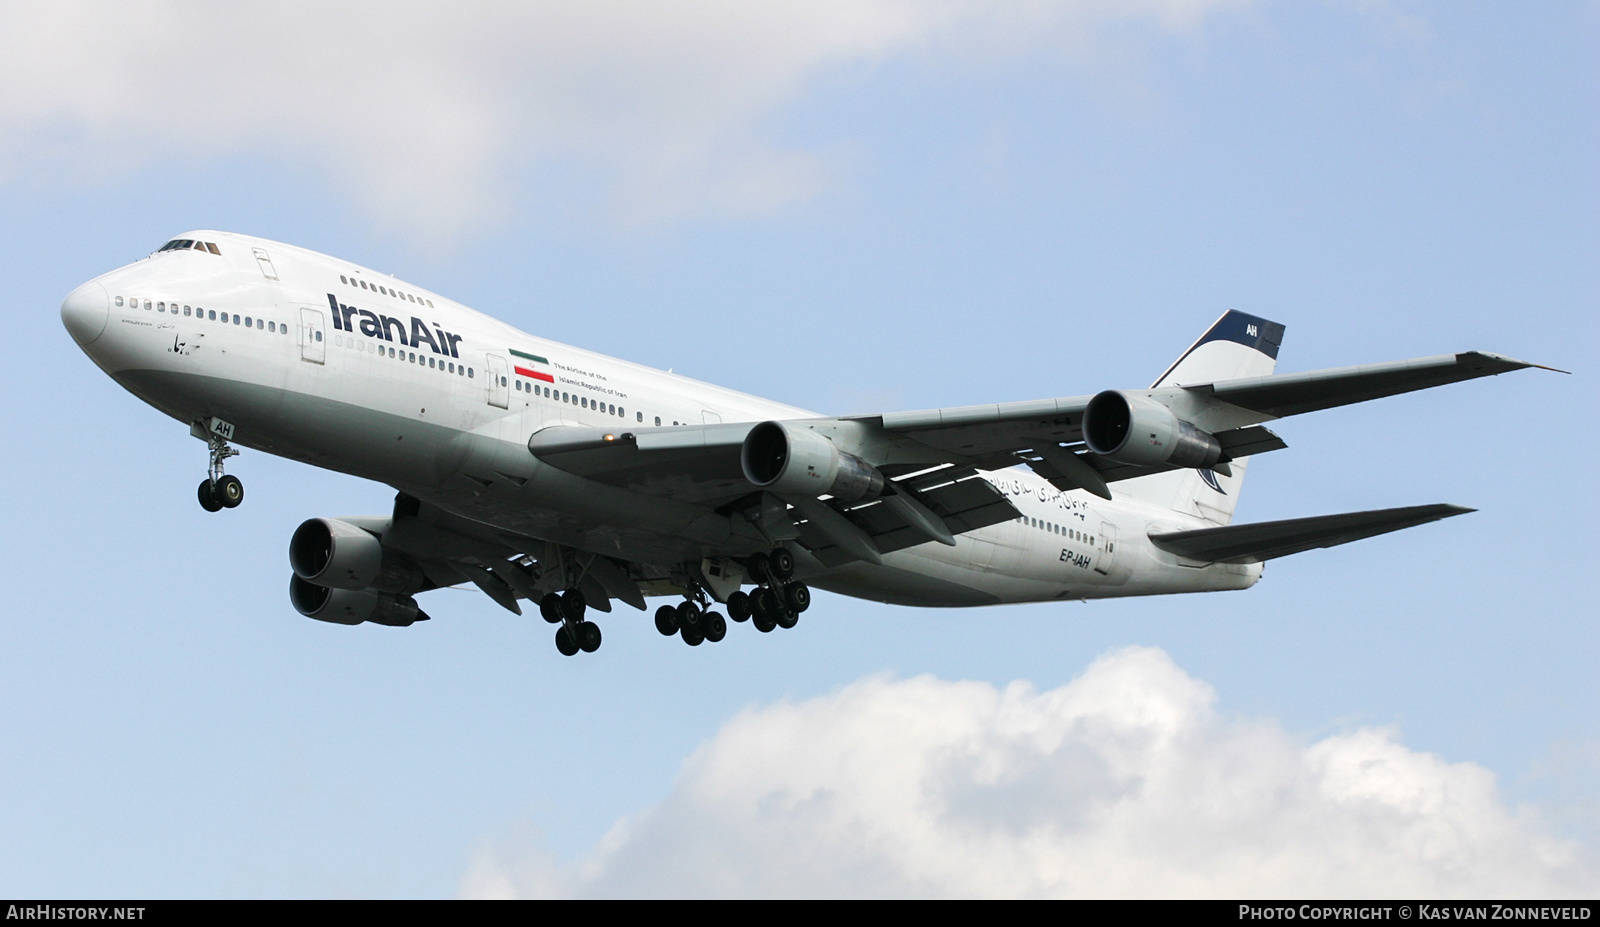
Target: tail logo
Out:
[1211,480]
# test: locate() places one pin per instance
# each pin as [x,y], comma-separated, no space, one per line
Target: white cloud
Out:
[427,112]
[1124,782]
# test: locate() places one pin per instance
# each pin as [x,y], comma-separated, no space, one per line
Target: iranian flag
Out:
[531,365]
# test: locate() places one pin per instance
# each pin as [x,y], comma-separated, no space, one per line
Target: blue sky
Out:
[865,207]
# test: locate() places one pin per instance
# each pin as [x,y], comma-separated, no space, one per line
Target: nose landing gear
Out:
[218,491]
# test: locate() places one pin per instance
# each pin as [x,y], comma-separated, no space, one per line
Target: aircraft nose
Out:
[84,312]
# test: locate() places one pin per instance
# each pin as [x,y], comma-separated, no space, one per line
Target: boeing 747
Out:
[549,474]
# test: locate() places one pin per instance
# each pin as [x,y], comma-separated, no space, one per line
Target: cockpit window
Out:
[183,244]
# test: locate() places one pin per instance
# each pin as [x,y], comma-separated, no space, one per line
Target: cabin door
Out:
[313,342]
[498,385]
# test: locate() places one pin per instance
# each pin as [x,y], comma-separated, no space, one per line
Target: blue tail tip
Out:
[1252,331]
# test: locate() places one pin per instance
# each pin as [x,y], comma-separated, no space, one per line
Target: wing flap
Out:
[965,503]
[1267,540]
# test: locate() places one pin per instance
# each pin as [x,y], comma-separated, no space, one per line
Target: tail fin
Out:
[1235,346]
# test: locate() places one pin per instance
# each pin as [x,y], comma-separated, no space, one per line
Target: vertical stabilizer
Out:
[1235,346]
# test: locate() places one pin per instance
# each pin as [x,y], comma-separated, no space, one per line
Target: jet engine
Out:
[339,555]
[353,606]
[1132,429]
[785,459]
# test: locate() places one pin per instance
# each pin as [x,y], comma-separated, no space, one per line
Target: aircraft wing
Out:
[1269,539]
[930,458]
[1293,393]
[450,550]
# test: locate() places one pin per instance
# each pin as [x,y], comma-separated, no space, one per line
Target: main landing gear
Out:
[219,491]
[575,634]
[693,620]
[779,600]
[776,603]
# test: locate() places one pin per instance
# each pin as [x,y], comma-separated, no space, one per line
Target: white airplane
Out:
[542,472]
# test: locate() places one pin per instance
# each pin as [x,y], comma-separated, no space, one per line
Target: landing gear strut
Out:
[218,491]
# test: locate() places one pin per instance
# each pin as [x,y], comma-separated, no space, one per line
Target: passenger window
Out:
[342,279]
[472,372]
[318,336]
[119,300]
[502,381]
[161,307]
[248,323]
[640,416]
[212,315]
[272,326]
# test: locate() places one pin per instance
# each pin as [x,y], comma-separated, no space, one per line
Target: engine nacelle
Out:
[1134,430]
[798,461]
[353,606]
[337,554]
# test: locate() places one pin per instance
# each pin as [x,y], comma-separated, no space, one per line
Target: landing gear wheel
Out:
[763,623]
[229,491]
[780,563]
[208,499]
[756,566]
[797,596]
[787,618]
[692,635]
[715,627]
[739,606]
[588,636]
[565,643]
[689,616]
[550,608]
[667,620]
[572,605]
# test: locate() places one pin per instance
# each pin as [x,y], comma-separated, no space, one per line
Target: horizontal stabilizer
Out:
[1269,539]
